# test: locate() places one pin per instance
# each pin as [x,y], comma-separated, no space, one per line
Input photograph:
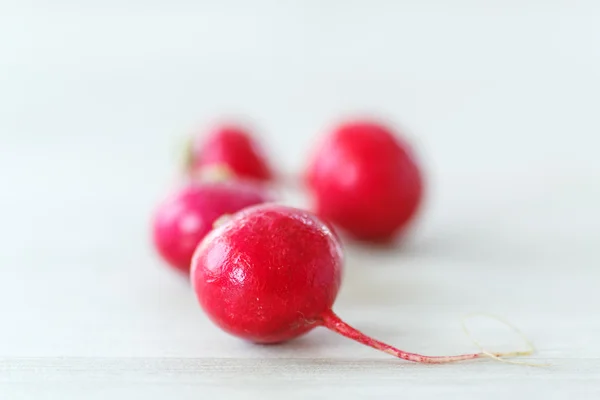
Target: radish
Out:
[185,217]
[271,273]
[233,147]
[366,181]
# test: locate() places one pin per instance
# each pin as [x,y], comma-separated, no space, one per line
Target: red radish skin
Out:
[366,181]
[233,147]
[271,273]
[183,219]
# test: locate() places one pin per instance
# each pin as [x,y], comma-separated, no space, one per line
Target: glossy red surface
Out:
[365,180]
[234,147]
[268,274]
[183,219]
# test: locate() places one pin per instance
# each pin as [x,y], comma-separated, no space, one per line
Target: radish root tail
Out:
[530,347]
[334,323]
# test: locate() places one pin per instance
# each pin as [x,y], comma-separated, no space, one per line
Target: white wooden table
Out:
[501,100]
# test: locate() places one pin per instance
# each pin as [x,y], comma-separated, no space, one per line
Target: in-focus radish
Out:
[271,273]
[234,147]
[184,218]
[365,180]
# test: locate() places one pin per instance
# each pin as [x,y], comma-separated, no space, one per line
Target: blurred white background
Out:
[500,98]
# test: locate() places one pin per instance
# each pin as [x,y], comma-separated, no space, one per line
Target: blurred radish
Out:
[234,147]
[365,180]
[184,218]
